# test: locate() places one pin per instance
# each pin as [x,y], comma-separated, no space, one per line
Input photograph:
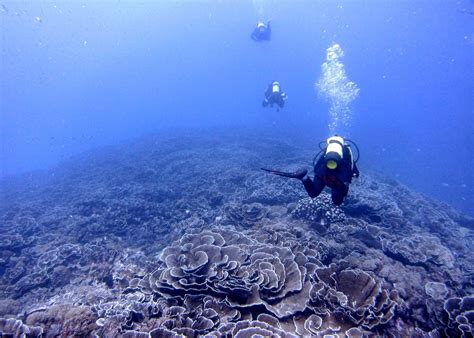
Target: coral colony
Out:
[190,239]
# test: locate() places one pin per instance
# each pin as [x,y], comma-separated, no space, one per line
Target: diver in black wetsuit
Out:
[262,32]
[274,95]
[334,168]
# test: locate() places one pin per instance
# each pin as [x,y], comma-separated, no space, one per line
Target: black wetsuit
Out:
[337,179]
[272,97]
[262,34]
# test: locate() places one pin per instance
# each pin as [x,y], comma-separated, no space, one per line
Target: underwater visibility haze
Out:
[132,138]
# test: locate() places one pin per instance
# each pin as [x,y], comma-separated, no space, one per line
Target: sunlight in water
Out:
[336,88]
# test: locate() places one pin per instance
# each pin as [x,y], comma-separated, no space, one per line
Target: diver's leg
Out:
[313,188]
[338,194]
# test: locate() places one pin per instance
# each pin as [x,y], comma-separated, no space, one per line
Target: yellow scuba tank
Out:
[334,151]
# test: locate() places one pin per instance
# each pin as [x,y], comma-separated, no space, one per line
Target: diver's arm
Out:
[254,35]
[355,171]
[350,164]
[320,162]
[268,92]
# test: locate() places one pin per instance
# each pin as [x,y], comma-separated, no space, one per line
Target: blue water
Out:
[77,75]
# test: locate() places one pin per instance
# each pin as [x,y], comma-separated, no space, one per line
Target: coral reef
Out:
[246,215]
[461,315]
[208,283]
[15,328]
[185,237]
[320,212]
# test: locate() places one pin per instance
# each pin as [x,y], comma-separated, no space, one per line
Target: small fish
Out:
[3,8]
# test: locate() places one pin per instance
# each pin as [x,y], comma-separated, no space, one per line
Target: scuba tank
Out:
[275,87]
[334,152]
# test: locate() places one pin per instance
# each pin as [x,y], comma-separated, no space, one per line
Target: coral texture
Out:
[186,237]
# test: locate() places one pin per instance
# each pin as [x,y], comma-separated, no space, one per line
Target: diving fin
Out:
[299,174]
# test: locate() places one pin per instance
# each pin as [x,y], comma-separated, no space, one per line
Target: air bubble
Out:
[336,88]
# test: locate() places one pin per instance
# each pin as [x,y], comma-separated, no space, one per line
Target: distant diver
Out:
[274,95]
[334,168]
[262,32]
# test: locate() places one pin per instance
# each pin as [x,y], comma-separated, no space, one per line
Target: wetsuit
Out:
[262,34]
[274,97]
[337,179]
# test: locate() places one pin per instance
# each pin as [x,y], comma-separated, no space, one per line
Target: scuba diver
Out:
[274,95]
[262,32]
[334,168]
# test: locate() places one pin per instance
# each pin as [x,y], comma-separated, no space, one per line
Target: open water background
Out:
[77,75]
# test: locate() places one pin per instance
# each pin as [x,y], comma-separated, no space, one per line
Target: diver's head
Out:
[275,87]
[333,155]
[261,26]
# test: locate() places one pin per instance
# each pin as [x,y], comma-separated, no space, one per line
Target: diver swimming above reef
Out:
[274,95]
[262,32]
[335,167]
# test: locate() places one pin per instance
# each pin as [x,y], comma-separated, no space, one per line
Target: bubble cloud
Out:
[336,88]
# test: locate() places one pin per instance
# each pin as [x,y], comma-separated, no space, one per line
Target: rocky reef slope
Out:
[186,237]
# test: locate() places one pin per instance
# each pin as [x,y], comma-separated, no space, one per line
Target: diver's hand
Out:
[356,172]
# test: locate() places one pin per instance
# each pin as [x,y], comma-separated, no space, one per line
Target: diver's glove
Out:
[299,174]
